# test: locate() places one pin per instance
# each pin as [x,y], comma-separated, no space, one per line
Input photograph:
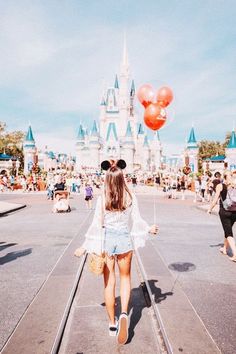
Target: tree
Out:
[12,143]
[209,149]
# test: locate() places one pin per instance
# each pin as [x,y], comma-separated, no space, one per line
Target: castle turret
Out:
[146,155]
[191,152]
[29,150]
[230,152]
[80,145]
[156,151]
[127,150]
[94,146]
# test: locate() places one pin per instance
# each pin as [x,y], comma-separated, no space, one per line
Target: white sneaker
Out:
[123,330]
[113,328]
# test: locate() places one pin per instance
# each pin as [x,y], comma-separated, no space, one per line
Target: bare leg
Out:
[231,243]
[109,290]
[124,264]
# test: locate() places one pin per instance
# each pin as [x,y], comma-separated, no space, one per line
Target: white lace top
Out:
[118,220]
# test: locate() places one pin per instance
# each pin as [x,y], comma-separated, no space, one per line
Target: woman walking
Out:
[227,216]
[117,205]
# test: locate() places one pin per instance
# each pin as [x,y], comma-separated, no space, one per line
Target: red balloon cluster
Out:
[155,113]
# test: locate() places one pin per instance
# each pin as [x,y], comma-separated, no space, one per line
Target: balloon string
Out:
[154,206]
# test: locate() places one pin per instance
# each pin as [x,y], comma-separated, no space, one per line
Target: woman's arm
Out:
[92,242]
[140,227]
[219,189]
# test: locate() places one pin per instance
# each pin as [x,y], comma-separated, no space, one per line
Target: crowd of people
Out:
[172,185]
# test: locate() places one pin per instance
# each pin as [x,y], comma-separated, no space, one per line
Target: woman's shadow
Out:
[138,301]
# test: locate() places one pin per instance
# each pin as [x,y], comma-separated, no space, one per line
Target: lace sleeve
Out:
[140,227]
[92,242]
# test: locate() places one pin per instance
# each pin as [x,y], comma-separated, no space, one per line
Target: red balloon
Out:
[145,95]
[154,117]
[164,96]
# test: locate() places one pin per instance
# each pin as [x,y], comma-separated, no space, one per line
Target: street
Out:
[33,239]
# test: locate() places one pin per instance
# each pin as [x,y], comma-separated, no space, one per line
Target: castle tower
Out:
[156,151]
[127,150]
[230,152]
[112,146]
[146,155]
[94,146]
[80,145]
[29,150]
[191,152]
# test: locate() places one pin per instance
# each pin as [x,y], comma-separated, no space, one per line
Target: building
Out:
[191,152]
[30,152]
[118,135]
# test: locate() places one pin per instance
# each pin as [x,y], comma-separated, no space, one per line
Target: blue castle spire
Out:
[29,136]
[116,85]
[232,141]
[132,90]
[80,133]
[128,130]
[29,139]
[192,139]
[140,129]
[94,131]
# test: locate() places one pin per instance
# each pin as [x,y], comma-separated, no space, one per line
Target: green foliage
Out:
[210,148]
[12,142]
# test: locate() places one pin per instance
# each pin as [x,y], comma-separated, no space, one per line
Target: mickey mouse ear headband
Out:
[105,165]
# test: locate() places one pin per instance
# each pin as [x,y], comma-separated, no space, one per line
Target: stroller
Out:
[61,202]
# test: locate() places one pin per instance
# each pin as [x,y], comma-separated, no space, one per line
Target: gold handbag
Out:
[97,262]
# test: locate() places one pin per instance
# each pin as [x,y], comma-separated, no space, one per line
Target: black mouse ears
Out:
[121,164]
[105,165]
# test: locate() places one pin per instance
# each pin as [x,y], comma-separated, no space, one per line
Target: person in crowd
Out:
[88,195]
[78,184]
[173,187]
[114,210]
[203,187]
[227,215]
[134,182]
[12,182]
[216,180]
[60,184]
[183,186]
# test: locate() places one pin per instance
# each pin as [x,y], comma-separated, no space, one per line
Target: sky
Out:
[56,57]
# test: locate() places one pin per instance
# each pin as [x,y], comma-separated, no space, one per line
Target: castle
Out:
[119,135]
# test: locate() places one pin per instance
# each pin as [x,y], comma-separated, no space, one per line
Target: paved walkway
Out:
[6,207]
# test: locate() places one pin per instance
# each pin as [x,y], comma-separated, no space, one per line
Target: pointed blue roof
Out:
[103,103]
[232,142]
[94,131]
[80,135]
[128,130]
[140,129]
[116,85]
[145,143]
[192,139]
[132,90]
[29,136]
[111,130]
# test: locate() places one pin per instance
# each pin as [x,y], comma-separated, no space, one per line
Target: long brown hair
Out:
[117,194]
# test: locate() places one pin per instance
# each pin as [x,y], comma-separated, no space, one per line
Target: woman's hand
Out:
[79,252]
[153,229]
